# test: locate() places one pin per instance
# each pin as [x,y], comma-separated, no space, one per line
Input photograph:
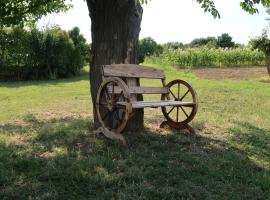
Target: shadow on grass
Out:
[63,159]
[252,139]
[44,83]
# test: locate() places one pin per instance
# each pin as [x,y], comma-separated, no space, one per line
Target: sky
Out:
[175,20]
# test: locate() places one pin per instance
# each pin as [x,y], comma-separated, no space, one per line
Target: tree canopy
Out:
[17,11]
[225,40]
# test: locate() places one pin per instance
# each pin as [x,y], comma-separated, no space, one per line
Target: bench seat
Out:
[155,104]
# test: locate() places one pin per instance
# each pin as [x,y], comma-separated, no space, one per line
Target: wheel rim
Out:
[180,90]
[112,115]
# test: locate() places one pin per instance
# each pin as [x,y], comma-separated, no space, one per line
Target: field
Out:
[193,58]
[48,149]
[231,73]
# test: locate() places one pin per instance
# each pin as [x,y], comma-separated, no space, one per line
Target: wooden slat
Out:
[141,90]
[117,90]
[148,90]
[132,71]
[155,104]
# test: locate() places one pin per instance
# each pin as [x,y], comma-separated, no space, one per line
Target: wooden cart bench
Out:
[117,99]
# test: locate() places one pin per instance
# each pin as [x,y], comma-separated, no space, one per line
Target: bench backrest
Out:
[132,71]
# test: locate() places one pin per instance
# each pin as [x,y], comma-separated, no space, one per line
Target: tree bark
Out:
[267,63]
[115,32]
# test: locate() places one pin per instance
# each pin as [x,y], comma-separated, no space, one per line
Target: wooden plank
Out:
[117,90]
[133,82]
[141,90]
[148,90]
[132,71]
[155,104]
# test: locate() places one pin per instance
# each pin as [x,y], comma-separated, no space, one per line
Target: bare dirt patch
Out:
[242,73]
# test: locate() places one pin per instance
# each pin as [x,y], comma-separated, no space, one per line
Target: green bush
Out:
[29,55]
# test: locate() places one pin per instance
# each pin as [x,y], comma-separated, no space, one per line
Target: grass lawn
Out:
[48,149]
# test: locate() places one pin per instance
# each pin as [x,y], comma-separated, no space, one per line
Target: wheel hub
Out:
[110,105]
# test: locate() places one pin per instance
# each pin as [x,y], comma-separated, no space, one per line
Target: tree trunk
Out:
[115,32]
[268,69]
[267,62]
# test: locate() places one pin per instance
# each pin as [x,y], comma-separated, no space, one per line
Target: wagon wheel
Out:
[113,104]
[178,116]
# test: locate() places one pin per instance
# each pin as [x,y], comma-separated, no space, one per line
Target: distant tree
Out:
[81,47]
[238,45]
[211,42]
[147,47]
[173,45]
[200,42]
[262,43]
[225,40]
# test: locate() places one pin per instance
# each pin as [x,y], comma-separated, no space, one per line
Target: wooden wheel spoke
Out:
[171,110]
[178,91]
[118,108]
[121,93]
[184,95]
[114,122]
[172,94]
[121,108]
[112,91]
[107,96]
[106,115]
[177,113]
[117,116]
[103,103]
[184,111]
